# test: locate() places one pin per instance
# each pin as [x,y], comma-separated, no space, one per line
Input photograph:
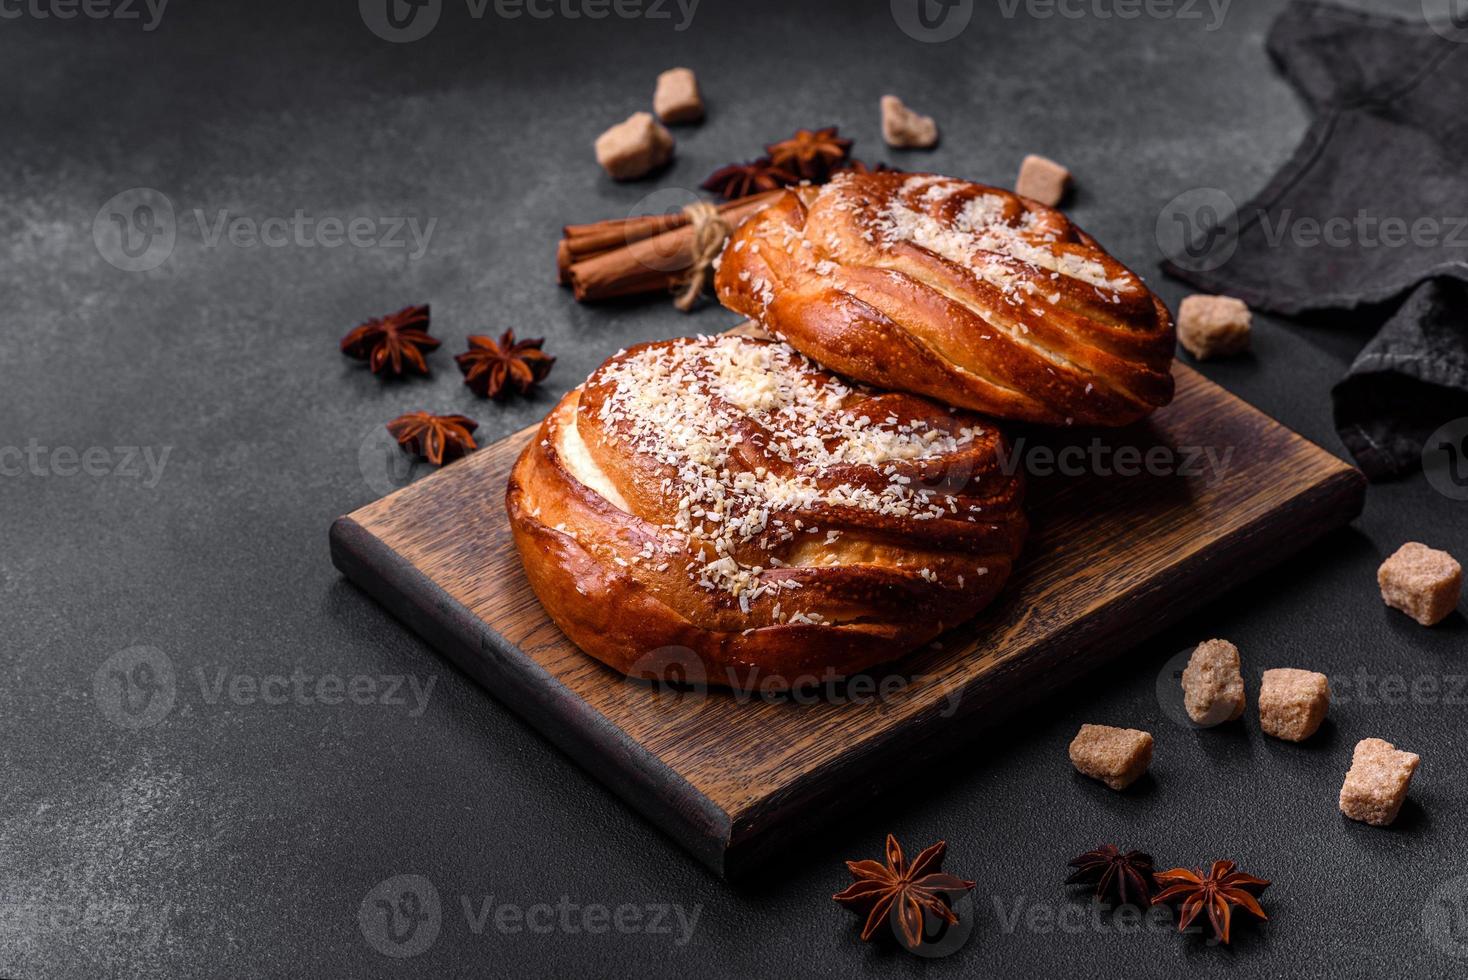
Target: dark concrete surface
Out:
[225,821]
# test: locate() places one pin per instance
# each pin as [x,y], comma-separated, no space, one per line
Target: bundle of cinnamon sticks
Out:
[653,253]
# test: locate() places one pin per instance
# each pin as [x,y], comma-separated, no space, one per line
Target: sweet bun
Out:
[964,293]
[727,503]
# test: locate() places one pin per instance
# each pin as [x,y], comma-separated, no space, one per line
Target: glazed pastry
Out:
[965,293]
[727,501]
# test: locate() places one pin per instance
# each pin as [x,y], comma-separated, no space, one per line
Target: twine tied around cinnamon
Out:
[710,232]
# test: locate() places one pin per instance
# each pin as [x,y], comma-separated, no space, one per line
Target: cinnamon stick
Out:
[650,264]
[581,242]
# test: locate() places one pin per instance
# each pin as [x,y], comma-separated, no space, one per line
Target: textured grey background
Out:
[238,838]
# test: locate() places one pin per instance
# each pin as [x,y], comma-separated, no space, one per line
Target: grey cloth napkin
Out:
[1369,215]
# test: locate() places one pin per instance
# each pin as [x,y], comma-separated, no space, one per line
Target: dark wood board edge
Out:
[896,757]
[640,778]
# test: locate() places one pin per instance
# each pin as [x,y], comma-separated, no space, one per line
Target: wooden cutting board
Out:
[1111,560]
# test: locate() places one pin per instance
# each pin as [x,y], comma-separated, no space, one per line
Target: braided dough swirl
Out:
[728,497]
[966,293]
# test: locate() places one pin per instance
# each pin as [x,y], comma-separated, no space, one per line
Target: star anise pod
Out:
[812,154]
[494,369]
[745,179]
[901,890]
[397,341]
[1218,891]
[1127,876]
[436,438]
[861,167]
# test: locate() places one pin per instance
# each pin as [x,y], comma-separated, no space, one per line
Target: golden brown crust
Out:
[637,582]
[965,293]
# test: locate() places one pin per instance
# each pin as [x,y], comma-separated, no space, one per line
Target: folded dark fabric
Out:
[1370,213]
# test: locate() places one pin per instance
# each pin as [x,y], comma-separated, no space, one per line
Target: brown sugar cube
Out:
[903,128]
[1043,180]
[1376,786]
[1292,703]
[1213,687]
[634,148]
[1116,756]
[1422,582]
[1213,326]
[677,99]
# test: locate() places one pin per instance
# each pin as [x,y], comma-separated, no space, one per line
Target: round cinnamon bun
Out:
[729,499]
[966,293]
